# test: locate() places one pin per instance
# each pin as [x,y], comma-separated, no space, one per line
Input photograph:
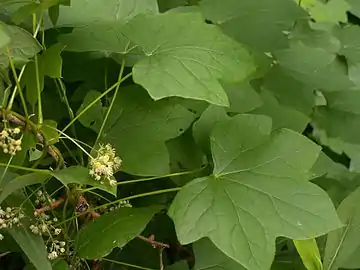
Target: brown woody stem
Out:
[49,207]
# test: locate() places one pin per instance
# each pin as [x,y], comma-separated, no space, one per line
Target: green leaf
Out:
[342,243]
[350,44]
[242,97]
[103,37]
[34,154]
[180,62]
[60,265]
[80,175]
[204,125]
[21,182]
[258,191]
[245,20]
[341,115]
[4,38]
[22,46]
[207,256]
[93,117]
[314,67]
[114,229]
[165,5]
[332,11]
[30,81]
[282,117]
[24,12]
[308,34]
[138,128]
[50,64]
[33,246]
[84,12]
[52,61]
[288,91]
[309,253]
[355,7]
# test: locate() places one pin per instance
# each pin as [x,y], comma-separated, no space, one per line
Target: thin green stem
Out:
[126,264]
[12,66]
[38,89]
[25,168]
[150,178]
[111,104]
[96,101]
[71,139]
[6,169]
[141,195]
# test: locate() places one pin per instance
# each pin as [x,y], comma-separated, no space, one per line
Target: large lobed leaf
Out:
[258,191]
[180,62]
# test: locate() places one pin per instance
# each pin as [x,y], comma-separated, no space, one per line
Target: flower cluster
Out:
[56,249]
[44,225]
[105,164]
[10,140]
[42,198]
[9,217]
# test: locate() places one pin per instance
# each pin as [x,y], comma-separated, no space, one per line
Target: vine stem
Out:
[96,100]
[25,168]
[111,104]
[53,205]
[38,89]
[12,66]
[12,98]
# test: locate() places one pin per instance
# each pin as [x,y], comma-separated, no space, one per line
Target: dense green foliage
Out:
[175,134]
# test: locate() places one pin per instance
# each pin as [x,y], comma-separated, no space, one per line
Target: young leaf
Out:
[258,191]
[343,243]
[138,128]
[33,246]
[241,19]
[208,256]
[80,175]
[180,62]
[309,253]
[114,229]
[21,182]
